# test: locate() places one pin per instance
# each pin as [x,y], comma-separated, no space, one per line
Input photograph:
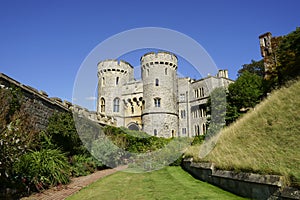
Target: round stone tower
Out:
[112,75]
[159,76]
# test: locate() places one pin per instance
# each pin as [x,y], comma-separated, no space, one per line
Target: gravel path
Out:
[61,192]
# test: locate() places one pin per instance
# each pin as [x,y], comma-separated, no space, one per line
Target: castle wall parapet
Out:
[162,58]
[111,65]
[41,107]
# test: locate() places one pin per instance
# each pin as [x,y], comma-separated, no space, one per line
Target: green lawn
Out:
[168,183]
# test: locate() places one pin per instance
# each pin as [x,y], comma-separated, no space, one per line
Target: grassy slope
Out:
[265,140]
[168,183]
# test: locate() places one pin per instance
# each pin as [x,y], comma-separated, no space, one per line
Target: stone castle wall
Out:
[41,107]
[160,104]
[159,76]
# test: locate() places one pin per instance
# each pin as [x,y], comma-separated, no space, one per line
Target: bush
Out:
[134,141]
[82,165]
[198,139]
[44,168]
[62,131]
[17,133]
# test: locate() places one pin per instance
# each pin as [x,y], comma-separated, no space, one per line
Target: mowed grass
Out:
[266,140]
[167,183]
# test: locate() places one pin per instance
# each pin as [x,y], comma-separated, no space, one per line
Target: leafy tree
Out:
[289,57]
[255,67]
[246,91]
[232,113]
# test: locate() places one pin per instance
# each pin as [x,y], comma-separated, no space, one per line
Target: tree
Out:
[243,94]
[255,67]
[246,92]
[289,57]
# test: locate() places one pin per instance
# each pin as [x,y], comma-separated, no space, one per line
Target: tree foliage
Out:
[255,67]
[18,134]
[289,57]
[246,92]
[62,131]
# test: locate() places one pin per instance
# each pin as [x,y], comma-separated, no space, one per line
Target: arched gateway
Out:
[133,126]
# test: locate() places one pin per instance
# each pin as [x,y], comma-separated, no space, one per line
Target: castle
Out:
[161,103]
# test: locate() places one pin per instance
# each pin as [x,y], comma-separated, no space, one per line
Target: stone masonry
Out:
[268,48]
[41,107]
[161,103]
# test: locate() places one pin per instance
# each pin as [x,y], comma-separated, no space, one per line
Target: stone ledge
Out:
[250,185]
[250,177]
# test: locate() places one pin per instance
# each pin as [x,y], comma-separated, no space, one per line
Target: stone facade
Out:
[161,103]
[268,48]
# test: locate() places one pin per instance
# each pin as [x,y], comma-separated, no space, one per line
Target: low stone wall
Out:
[248,185]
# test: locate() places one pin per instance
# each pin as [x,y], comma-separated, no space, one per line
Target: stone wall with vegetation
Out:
[248,185]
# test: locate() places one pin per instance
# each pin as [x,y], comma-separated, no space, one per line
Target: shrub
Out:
[82,165]
[17,133]
[198,139]
[62,131]
[44,168]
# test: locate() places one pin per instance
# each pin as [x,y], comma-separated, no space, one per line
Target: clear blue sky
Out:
[44,42]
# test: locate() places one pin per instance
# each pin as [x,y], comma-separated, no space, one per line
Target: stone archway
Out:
[133,126]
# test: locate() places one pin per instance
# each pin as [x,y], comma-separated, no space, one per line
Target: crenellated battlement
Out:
[113,65]
[159,58]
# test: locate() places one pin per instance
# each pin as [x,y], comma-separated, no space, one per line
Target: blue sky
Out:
[44,42]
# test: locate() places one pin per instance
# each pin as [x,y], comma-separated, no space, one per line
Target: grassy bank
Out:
[265,140]
[168,183]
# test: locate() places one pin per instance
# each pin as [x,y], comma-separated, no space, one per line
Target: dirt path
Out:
[60,193]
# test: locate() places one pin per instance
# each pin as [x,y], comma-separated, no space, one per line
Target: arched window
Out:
[203,129]
[166,71]
[157,102]
[133,126]
[102,105]
[198,130]
[117,81]
[156,82]
[173,133]
[116,105]
[155,132]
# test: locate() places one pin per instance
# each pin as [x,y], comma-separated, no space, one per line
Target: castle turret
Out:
[112,75]
[160,113]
